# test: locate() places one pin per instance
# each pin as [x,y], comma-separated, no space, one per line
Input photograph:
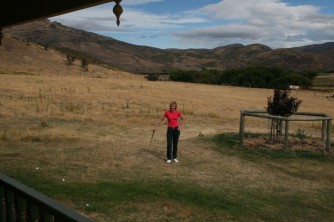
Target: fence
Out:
[326,124]
[21,203]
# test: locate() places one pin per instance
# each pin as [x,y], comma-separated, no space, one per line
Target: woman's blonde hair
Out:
[173,103]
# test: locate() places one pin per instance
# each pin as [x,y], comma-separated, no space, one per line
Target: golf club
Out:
[150,142]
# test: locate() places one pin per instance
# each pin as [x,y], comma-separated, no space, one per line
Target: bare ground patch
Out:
[295,144]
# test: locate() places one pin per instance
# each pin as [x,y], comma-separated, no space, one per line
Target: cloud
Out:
[227,31]
[150,37]
[270,22]
[138,2]
[266,9]
[102,19]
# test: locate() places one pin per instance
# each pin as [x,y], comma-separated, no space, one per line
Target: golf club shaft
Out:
[150,142]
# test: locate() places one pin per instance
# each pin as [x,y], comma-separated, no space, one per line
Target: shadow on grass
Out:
[229,144]
[308,165]
[153,152]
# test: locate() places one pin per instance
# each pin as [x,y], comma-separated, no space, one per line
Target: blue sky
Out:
[210,23]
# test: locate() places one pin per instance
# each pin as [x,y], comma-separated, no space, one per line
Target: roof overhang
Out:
[15,12]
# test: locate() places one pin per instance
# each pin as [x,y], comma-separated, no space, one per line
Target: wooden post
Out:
[10,213]
[47,217]
[271,130]
[323,131]
[241,130]
[329,135]
[21,209]
[280,127]
[286,135]
[34,213]
[2,204]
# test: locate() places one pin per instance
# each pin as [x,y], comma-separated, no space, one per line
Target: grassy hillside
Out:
[144,59]
[22,57]
[84,142]
[324,80]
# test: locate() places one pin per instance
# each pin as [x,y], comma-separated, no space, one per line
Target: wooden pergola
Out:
[325,119]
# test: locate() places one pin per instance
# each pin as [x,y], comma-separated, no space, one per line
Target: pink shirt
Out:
[172,118]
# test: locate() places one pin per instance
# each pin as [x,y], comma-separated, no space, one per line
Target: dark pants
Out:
[173,135]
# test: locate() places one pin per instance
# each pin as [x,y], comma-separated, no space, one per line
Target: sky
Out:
[210,23]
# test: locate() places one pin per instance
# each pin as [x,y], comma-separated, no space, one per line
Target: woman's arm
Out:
[182,122]
[160,121]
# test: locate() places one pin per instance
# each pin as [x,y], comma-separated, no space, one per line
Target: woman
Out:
[173,130]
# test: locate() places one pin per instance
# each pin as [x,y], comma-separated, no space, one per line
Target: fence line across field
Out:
[326,124]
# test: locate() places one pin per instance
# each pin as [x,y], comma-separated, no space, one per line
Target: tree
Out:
[281,105]
[153,77]
[182,76]
[84,64]
[310,75]
[70,59]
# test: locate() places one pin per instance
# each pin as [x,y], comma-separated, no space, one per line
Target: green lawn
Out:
[269,186]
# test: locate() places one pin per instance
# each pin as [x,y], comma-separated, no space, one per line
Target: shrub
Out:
[282,104]
[84,64]
[69,59]
[152,77]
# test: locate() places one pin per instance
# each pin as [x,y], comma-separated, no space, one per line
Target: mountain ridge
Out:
[145,59]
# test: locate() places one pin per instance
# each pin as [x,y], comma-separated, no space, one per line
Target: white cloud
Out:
[227,31]
[99,19]
[138,2]
[266,9]
[270,22]
[146,21]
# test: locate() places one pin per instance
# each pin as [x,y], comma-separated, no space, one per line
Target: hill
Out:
[324,53]
[27,58]
[143,59]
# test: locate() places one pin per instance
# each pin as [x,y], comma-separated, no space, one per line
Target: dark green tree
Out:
[282,104]
[69,59]
[84,64]
[153,77]
[182,76]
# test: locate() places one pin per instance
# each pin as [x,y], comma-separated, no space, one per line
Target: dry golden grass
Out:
[91,130]
[130,102]
[124,109]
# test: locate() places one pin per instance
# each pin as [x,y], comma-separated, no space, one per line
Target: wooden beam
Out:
[14,12]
